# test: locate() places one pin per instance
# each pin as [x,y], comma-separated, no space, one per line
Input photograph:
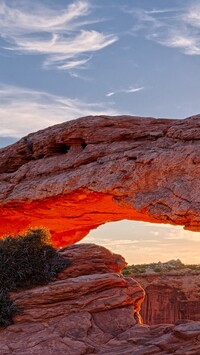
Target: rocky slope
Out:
[77,175]
[91,309]
[170,297]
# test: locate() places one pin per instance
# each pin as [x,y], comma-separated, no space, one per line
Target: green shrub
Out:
[26,261]
[7,309]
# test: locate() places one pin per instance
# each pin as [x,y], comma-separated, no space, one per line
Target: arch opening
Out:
[144,242]
[162,259]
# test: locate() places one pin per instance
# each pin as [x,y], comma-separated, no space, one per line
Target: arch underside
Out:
[73,177]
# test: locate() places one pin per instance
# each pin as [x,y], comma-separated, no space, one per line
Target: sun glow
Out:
[141,242]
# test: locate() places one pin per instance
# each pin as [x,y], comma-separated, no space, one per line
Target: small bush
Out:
[26,261]
[7,309]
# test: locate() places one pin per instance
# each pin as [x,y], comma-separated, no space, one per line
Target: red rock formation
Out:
[91,311]
[170,297]
[77,175]
[87,306]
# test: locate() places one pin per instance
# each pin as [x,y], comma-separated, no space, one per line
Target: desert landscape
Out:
[99,177]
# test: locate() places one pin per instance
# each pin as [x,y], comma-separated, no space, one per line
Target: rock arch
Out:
[77,175]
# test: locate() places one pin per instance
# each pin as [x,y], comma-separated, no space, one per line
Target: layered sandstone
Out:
[77,175]
[88,305]
[170,297]
[91,311]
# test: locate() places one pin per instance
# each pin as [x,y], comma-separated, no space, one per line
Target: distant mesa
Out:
[171,266]
[77,175]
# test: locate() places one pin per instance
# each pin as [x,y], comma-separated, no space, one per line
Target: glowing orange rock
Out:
[78,175]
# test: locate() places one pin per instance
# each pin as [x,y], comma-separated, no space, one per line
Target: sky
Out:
[60,60]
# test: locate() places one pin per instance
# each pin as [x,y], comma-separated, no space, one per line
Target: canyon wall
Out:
[77,175]
[170,297]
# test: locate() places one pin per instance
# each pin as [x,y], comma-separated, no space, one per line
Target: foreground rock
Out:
[87,306]
[77,175]
[91,310]
[170,297]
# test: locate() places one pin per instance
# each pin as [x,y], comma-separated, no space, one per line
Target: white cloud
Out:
[75,74]
[155,233]
[126,91]
[53,32]
[25,17]
[174,28]
[181,234]
[192,17]
[112,242]
[110,93]
[74,64]
[23,111]
[160,11]
[189,44]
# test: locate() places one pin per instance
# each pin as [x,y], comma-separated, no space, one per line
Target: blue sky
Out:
[63,59]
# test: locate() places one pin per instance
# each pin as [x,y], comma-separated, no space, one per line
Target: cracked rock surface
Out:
[77,175]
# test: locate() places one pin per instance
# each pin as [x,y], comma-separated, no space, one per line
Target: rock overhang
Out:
[77,175]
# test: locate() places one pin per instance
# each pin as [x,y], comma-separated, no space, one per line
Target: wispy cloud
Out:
[58,34]
[125,91]
[192,16]
[108,243]
[76,75]
[160,11]
[181,234]
[23,111]
[72,64]
[174,28]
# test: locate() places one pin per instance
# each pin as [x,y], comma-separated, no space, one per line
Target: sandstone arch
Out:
[77,175]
